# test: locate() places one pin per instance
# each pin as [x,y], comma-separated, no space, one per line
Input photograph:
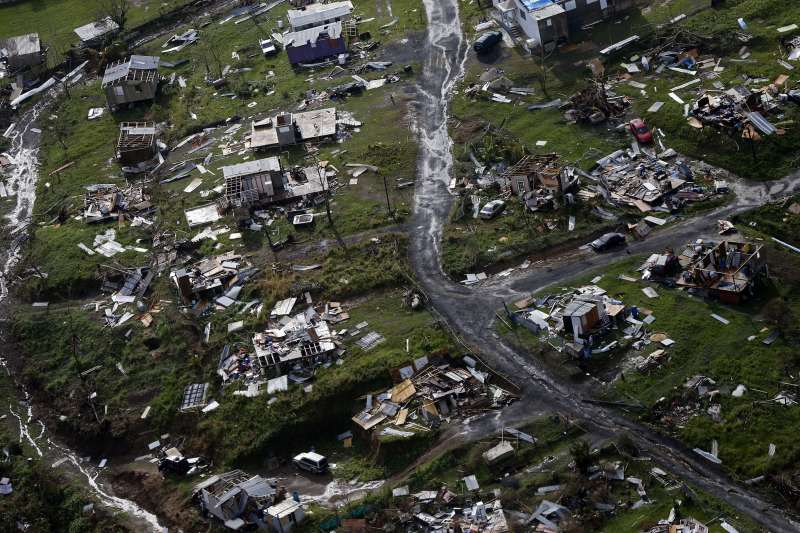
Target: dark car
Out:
[487,41]
[607,241]
[640,131]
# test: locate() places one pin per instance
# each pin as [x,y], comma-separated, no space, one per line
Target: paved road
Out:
[470,312]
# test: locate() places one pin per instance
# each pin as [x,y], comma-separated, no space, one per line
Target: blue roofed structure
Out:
[533,5]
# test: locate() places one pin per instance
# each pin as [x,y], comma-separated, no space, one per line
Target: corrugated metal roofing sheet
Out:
[20,45]
[120,70]
[317,13]
[269,164]
[302,37]
[96,29]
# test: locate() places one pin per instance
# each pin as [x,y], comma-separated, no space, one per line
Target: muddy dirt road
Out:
[470,312]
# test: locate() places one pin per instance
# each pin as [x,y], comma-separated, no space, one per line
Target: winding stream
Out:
[22,182]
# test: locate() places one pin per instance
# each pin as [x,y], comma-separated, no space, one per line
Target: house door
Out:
[521,186]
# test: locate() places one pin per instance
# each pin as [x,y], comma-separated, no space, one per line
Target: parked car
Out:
[492,209]
[268,47]
[607,241]
[311,462]
[487,41]
[640,131]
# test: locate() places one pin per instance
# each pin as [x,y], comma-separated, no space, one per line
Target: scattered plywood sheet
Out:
[655,107]
[204,214]
[720,319]
[676,98]
[403,391]
[193,185]
[650,292]
[685,85]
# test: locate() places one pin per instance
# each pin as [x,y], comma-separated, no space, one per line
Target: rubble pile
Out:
[594,105]
[430,392]
[649,182]
[241,501]
[727,270]
[293,346]
[586,321]
[213,282]
[103,203]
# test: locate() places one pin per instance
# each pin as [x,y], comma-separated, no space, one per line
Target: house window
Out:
[521,186]
[119,91]
[522,14]
[571,5]
[549,23]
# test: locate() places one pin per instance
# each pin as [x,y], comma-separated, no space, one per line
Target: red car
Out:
[640,131]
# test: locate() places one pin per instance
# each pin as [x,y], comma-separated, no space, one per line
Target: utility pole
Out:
[324,185]
[386,190]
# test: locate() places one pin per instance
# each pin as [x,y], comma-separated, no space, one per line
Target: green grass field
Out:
[704,346]
[548,463]
[55,20]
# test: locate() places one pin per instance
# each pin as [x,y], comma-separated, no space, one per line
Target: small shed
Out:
[282,517]
[253,181]
[96,33]
[315,44]
[580,316]
[137,142]
[22,51]
[133,80]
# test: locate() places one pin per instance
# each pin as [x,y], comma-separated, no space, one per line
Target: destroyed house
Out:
[136,143]
[727,270]
[21,52]
[544,173]
[315,44]
[294,345]
[582,316]
[96,33]
[210,276]
[252,182]
[646,182]
[429,392]
[236,499]
[290,128]
[133,80]
[318,15]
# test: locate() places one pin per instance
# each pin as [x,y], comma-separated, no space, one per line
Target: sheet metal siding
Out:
[324,48]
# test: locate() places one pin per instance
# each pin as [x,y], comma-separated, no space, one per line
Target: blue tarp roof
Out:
[536,4]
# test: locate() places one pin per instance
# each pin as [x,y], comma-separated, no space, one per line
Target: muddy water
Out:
[24,176]
[443,66]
